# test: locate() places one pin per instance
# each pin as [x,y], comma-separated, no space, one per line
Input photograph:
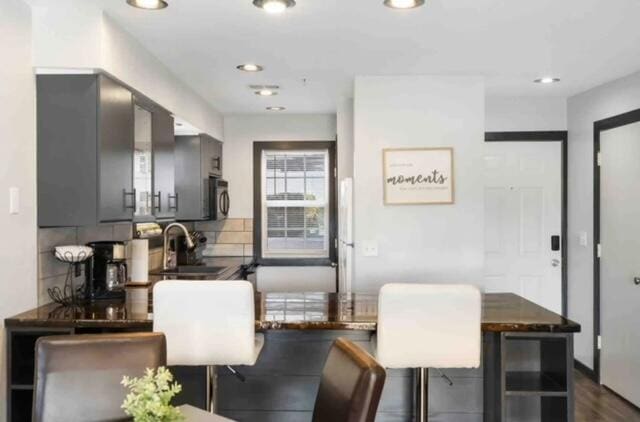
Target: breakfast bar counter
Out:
[501,312]
[526,372]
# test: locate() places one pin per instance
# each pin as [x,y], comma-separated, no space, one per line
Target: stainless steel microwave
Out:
[219,201]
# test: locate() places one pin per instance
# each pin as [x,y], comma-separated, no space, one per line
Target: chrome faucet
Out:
[165,249]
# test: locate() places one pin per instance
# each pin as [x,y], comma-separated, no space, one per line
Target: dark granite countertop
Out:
[296,311]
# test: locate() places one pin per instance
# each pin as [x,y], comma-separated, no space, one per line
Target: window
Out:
[295,200]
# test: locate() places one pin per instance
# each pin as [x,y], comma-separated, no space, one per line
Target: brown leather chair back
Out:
[351,385]
[77,378]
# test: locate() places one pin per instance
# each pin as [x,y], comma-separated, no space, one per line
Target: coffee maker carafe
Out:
[106,271]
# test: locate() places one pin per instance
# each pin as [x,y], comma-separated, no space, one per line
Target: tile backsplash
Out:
[230,237]
[51,272]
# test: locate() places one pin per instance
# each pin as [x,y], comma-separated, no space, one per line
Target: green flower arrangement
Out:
[149,398]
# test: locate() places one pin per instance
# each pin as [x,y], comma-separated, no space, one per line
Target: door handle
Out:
[555,262]
[133,196]
[173,207]
[636,281]
[158,205]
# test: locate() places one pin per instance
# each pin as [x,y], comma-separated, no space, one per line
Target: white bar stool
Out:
[207,323]
[425,326]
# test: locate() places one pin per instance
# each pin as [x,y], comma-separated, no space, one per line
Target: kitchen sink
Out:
[193,270]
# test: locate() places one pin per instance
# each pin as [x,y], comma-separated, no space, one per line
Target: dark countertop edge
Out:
[267,325]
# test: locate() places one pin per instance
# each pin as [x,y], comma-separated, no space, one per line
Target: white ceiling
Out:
[328,42]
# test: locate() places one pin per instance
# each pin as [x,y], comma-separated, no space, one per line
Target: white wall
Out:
[76,34]
[608,100]
[505,114]
[241,130]
[419,243]
[124,57]
[18,253]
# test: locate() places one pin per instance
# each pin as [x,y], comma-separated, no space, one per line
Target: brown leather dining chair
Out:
[77,378]
[351,385]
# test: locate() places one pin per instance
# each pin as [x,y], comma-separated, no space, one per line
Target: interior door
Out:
[523,220]
[620,260]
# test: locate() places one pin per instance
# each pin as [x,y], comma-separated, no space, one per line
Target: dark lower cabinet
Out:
[20,369]
[524,377]
[529,376]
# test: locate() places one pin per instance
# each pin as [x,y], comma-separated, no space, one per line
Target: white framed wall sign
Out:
[418,176]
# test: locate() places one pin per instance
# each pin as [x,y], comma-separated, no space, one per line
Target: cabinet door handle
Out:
[159,203]
[173,207]
[133,196]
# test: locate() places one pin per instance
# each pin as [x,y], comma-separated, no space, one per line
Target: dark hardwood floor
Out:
[595,403]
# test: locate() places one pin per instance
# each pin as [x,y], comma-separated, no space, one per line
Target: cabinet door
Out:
[116,195]
[143,165]
[165,201]
[206,155]
[67,179]
[189,181]
[211,156]
[216,158]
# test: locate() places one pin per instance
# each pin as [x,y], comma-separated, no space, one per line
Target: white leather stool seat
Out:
[207,322]
[429,326]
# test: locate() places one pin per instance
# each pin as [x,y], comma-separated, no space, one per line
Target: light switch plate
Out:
[583,239]
[370,248]
[14,201]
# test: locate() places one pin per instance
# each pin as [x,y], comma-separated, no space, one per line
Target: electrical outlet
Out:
[370,248]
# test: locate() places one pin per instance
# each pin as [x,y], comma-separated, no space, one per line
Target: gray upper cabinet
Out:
[154,172]
[211,156]
[85,150]
[163,147]
[198,158]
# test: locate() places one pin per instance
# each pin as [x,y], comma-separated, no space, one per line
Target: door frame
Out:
[598,127]
[548,136]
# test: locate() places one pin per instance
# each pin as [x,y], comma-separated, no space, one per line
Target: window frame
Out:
[259,148]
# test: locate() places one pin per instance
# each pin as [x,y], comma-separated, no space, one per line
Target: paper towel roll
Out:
[139,267]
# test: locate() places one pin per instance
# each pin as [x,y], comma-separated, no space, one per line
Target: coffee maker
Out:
[106,271]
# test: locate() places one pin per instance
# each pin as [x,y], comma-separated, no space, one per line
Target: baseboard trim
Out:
[590,373]
[622,398]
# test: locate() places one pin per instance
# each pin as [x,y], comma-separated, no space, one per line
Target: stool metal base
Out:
[421,412]
[212,389]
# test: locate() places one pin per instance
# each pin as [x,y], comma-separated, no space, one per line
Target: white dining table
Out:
[193,414]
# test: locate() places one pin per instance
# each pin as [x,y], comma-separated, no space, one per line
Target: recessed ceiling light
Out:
[276,108]
[274,6]
[403,4]
[250,67]
[148,4]
[546,80]
[266,93]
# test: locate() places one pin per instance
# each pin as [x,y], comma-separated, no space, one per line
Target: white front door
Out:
[620,260]
[523,211]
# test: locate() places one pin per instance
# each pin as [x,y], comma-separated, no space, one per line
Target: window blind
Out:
[295,203]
